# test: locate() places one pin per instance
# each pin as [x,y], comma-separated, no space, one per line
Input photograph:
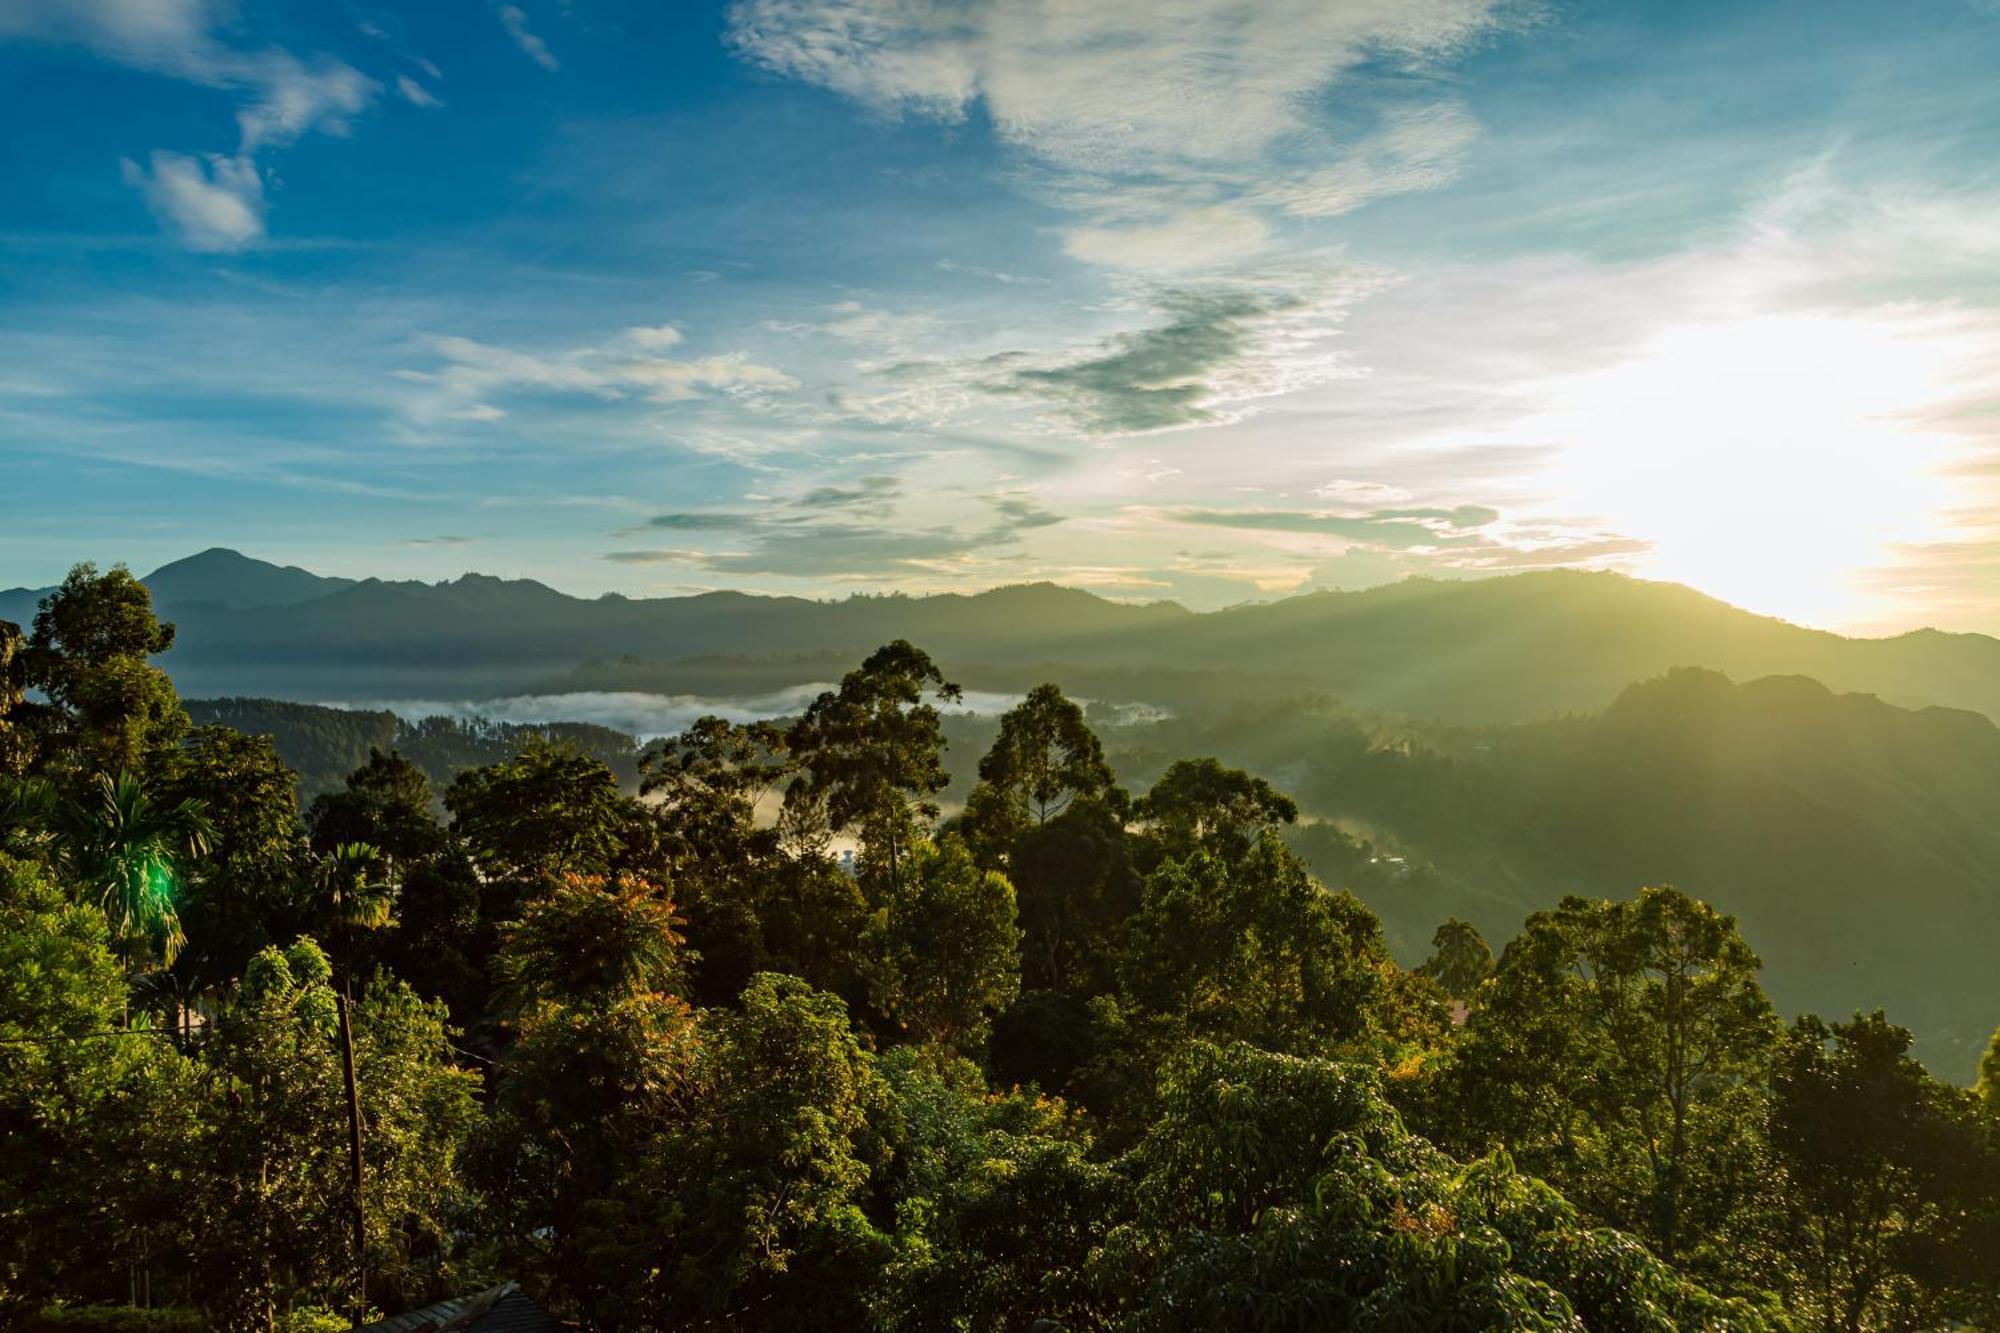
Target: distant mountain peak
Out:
[220,576]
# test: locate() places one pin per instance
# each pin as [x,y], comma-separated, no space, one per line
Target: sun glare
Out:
[1770,461]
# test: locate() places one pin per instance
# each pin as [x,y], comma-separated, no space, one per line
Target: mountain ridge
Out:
[1504,649]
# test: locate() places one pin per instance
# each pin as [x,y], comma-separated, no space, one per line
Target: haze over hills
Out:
[1857,842]
[1505,649]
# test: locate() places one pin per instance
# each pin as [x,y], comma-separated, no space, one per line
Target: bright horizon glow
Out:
[1772,461]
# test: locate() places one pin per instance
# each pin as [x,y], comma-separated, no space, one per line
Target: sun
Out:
[1771,460]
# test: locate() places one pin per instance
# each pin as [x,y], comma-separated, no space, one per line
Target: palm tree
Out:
[127,851]
[28,809]
[351,889]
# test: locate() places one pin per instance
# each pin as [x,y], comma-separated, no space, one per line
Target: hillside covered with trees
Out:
[1070,1055]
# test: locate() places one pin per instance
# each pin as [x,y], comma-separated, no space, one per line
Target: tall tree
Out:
[707,782]
[1885,1169]
[239,896]
[1460,958]
[1077,886]
[749,1205]
[1620,1049]
[107,708]
[590,940]
[1199,805]
[273,1202]
[1275,1192]
[943,953]
[386,803]
[1254,949]
[552,810]
[1046,755]
[16,746]
[1001,1203]
[605,1057]
[705,786]
[872,751]
[95,1117]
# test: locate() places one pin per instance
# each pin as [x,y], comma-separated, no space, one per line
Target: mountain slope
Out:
[230,579]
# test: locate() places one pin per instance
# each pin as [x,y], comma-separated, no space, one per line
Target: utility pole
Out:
[354,1158]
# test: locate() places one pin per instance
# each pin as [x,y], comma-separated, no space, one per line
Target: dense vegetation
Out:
[1072,1058]
[1800,810]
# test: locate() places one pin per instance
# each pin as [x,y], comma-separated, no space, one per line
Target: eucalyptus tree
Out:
[1460,958]
[872,751]
[105,707]
[1046,756]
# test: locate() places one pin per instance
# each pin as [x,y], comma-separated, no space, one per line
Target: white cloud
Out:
[1205,352]
[474,373]
[151,33]
[415,93]
[656,338]
[1117,85]
[1214,100]
[899,331]
[1192,239]
[214,203]
[293,97]
[1416,148]
[284,97]
[516,23]
[668,381]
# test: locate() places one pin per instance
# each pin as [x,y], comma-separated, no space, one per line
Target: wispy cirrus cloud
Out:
[1426,527]
[1171,132]
[415,93]
[822,533]
[1214,352]
[626,366]
[515,20]
[1202,353]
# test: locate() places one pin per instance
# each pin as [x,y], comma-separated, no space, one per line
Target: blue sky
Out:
[1204,299]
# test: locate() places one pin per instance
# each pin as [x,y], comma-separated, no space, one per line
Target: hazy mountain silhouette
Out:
[1514,648]
[217,576]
